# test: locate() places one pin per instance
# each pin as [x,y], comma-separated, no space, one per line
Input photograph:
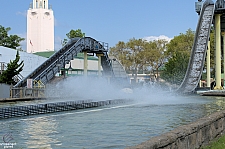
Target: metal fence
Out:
[19,111]
[23,92]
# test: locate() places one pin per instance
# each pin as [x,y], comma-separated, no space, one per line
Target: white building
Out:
[31,61]
[40,27]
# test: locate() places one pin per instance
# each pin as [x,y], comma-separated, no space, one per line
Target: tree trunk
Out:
[157,73]
[135,75]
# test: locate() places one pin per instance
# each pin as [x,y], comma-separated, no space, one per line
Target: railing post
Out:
[11,91]
[85,63]
[24,92]
[21,92]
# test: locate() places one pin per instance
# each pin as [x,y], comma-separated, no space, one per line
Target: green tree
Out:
[13,69]
[130,55]
[73,34]
[175,68]
[154,54]
[121,53]
[135,56]
[10,41]
[138,55]
[178,51]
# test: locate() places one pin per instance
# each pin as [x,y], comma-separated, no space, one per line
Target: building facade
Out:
[31,61]
[40,27]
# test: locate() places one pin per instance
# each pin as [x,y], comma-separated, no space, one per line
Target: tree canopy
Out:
[73,34]
[138,55]
[10,41]
[13,69]
[155,55]
[178,51]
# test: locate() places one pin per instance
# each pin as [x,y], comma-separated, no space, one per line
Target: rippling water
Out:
[118,126]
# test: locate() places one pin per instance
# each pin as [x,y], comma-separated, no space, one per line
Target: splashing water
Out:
[94,88]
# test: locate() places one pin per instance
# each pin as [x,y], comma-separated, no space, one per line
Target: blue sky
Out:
[110,21]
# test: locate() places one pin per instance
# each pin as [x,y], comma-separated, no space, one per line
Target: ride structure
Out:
[197,59]
[57,61]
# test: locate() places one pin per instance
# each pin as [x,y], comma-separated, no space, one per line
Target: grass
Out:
[216,144]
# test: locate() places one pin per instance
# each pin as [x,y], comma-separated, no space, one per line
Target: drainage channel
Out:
[19,111]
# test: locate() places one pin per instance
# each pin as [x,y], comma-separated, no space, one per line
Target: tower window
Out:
[47,13]
[33,13]
[44,4]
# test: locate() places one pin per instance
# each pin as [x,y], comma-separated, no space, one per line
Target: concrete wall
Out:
[4,90]
[194,135]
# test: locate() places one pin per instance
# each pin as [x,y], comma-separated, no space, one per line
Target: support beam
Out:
[208,65]
[200,83]
[218,52]
[85,63]
[223,33]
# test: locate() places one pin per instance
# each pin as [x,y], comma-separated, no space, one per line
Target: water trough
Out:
[19,111]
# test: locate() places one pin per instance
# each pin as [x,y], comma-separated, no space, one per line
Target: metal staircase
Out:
[57,61]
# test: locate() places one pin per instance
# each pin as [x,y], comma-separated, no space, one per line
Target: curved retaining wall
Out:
[191,136]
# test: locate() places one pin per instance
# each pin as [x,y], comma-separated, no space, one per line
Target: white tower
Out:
[40,27]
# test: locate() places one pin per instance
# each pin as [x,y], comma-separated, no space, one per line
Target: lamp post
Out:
[64,65]
[70,69]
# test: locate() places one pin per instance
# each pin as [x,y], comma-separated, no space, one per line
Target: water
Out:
[117,126]
[152,113]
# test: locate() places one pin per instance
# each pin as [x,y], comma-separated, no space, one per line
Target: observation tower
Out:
[40,27]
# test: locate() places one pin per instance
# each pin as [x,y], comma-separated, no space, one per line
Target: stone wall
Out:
[191,136]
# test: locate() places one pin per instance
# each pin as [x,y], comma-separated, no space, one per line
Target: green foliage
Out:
[13,69]
[10,41]
[129,54]
[73,34]
[216,144]
[138,55]
[154,54]
[182,43]
[175,68]
[179,50]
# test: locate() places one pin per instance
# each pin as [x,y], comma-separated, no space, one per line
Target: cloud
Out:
[22,13]
[152,38]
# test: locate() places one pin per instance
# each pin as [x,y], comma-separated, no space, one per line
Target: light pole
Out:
[70,69]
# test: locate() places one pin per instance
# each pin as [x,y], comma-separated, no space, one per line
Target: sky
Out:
[108,21]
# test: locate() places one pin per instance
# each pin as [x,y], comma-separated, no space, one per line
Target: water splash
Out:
[94,88]
[85,88]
